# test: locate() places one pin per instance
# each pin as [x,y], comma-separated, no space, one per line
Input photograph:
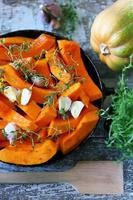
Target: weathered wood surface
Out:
[24,14]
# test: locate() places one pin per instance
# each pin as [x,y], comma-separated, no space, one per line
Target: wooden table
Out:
[24,14]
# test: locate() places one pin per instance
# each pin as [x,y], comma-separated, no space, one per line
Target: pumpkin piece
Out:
[39,94]
[3,62]
[15,40]
[41,66]
[4,144]
[73,91]
[2,138]
[31,109]
[84,98]
[60,86]
[4,109]
[11,41]
[60,73]
[51,56]
[6,101]
[86,125]
[28,62]
[39,137]
[12,116]
[24,154]
[57,66]
[4,55]
[3,123]
[60,126]
[47,114]
[114,44]
[21,121]
[65,126]
[13,78]
[43,43]
[71,54]
[91,107]
[43,134]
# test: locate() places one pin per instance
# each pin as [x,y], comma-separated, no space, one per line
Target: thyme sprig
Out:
[21,136]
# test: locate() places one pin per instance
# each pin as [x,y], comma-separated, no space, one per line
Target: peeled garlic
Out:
[76,108]
[64,103]
[11,132]
[39,81]
[11,93]
[25,96]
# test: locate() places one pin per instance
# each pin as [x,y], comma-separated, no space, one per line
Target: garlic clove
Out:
[54,24]
[10,127]
[11,132]
[76,108]
[25,96]
[39,81]
[11,93]
[64,103]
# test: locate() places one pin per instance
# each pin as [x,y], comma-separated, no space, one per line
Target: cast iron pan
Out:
[92,71]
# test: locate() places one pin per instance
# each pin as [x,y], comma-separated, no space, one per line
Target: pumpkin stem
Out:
[104,49]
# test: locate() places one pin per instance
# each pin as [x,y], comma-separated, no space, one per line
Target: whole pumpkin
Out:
[112,34]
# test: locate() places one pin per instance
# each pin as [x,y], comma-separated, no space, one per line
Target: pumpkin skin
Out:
[112,34]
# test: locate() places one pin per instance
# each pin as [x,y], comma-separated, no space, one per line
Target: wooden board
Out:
[88,177]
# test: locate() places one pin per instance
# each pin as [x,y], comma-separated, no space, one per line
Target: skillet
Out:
[92,71]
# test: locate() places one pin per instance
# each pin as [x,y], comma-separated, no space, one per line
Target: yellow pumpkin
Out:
[112,34]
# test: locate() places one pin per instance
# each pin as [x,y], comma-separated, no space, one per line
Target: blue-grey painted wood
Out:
[24,14]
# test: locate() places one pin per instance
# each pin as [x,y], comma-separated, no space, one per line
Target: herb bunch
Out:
[68,20]
[121,117]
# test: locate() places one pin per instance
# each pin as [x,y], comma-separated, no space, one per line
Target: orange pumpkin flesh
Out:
[40,117]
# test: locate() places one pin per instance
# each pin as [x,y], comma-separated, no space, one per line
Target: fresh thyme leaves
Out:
[70,68]
[50,99]
[24,135]
[3,83]
[31,135]
[63,113]
[67,85]
[4,133]
[1,73]
[56,134]
[2,41]
[29,74]
[121,117]
[25,46]
[68,20]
